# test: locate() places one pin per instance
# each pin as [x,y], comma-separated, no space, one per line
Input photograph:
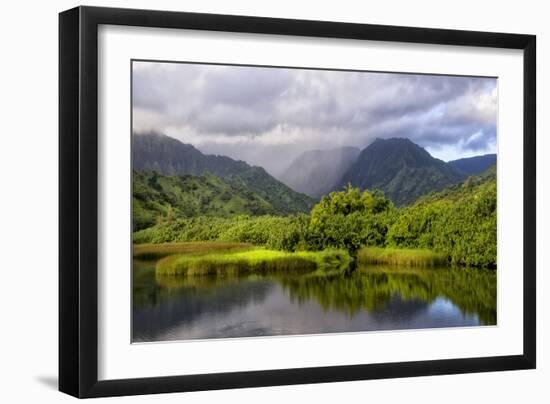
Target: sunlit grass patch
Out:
[256,261]
[400,256]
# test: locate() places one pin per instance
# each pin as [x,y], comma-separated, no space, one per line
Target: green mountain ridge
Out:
[168,156]
[401,169]
[157,197]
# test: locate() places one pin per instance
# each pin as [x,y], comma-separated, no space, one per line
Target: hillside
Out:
[401,169]
[318,172]
[457,191]
[157,197]
[474,165]
[460,221]
[168,156]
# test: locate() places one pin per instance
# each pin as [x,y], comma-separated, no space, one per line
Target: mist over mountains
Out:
[318,172]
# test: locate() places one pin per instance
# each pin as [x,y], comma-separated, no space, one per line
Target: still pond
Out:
[168,308]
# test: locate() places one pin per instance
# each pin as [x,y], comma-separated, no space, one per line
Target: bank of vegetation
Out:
[455,227]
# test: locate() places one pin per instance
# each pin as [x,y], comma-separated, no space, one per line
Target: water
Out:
[374,298]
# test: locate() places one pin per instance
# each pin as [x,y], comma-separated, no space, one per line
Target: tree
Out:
[349,219]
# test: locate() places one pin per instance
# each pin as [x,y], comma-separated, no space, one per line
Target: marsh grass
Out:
[156,251]
[254,261]
[400,256]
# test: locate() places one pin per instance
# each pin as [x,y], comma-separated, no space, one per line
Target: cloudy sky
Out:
[267,116]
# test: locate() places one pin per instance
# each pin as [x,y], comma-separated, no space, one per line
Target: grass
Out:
[155,251]
[400,256]
[253,261]
[236,259]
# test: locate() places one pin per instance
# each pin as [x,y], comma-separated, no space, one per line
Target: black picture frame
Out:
[78,200]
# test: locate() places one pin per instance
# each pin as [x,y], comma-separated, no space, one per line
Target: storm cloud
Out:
[267,116]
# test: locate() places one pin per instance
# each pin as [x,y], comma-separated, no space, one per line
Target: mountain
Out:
[401,169]
[318,172]
[156,196]
[168,156]
[474,165]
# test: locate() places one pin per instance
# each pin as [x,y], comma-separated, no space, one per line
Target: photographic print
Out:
[272,201]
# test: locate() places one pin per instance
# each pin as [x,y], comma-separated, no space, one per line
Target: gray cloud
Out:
[269,115]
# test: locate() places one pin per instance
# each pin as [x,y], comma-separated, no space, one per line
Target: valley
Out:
[394,195]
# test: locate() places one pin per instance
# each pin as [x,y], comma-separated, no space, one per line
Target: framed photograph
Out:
[250,201]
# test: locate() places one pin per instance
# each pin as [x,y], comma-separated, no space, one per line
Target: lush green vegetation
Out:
[274,232]
[349,219]
[158,198]
[460,222]
[456,226]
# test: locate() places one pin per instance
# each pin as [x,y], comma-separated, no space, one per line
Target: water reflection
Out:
[374,298]
[371,289]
